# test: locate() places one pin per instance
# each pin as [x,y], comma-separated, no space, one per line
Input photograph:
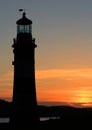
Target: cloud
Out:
[64,74]
[81,104]
[53,73]
[6,83]
[8,76]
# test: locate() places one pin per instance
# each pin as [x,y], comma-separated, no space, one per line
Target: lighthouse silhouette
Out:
[24,103]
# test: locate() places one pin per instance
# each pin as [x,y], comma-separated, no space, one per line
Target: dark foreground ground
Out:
[56,124]
[70,119]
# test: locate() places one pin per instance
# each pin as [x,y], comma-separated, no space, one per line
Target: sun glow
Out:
[83,98]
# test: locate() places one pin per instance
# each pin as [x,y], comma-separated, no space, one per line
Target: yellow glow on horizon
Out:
[83,97]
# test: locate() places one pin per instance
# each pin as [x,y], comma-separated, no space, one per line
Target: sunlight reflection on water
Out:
[4,120]
[48,118]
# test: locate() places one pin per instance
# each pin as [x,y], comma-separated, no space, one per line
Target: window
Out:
[24,29]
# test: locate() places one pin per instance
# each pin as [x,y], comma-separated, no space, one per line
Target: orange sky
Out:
[63,32]
[68,86]
[72,86]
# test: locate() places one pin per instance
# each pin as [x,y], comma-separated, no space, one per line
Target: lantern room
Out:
[24,25]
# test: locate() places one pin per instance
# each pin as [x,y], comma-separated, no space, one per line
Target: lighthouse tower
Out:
[24,101]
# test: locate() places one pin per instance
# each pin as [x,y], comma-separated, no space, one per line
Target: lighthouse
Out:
[24,102]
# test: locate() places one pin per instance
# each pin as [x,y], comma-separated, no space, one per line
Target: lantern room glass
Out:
[24,29]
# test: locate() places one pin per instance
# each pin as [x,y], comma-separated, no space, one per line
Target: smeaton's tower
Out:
[24,103]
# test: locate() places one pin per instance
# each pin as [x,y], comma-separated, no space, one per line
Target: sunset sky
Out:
[63,57]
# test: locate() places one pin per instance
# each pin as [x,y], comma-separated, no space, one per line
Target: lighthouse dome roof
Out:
[24,20]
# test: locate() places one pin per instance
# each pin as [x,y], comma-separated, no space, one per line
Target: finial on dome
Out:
[23,10]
